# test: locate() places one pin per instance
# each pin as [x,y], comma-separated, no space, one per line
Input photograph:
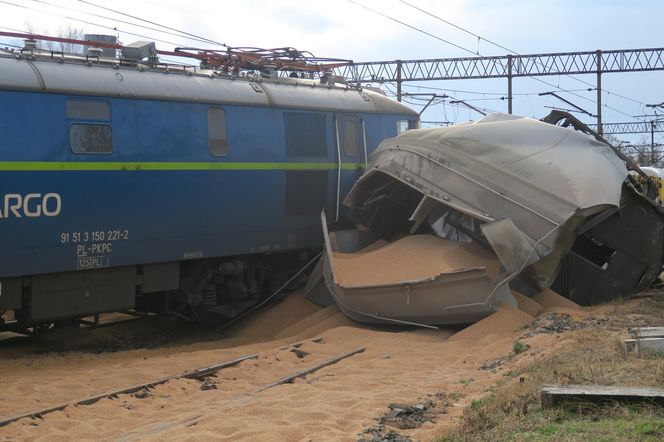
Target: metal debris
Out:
[301,354]
[553,323]
[208,384]
[142,394]
[379,433]
[406,417]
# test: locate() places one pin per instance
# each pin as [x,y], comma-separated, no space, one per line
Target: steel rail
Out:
[197,373]
[193,374]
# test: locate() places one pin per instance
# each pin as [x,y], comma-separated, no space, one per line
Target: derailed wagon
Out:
[535,196]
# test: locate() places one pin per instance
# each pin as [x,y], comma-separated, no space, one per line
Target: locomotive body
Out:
[130,185]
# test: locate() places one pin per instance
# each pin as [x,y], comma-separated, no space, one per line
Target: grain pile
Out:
[400,365]
[527,304]
[270,322]
[506,319]
[549,299]
[411,258]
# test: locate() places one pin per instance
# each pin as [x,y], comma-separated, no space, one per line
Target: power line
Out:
[152,23]
[477,53]
[411,100]
[482,93]
[501,98]
[409,26]
[479,37]
[51,13]
[199,38]
[120,21]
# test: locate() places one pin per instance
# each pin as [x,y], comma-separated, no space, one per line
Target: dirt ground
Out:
[408,383]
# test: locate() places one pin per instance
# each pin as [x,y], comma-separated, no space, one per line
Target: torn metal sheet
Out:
[546,179]
[538,197]
[514,249]
[615,255]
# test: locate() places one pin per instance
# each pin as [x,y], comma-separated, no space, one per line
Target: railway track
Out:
[117,332]
[200,374]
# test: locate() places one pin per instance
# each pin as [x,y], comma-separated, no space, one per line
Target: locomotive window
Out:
[350,138]
[88,110]
[402,126]
[90,138]
[306,134]
[217,141]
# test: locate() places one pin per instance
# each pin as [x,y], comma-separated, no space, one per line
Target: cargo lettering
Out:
[32,205]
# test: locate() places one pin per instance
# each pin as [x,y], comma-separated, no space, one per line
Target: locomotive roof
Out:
[61,75]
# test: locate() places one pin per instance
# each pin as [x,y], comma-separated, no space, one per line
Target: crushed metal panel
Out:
[315,291]
[545,178]
[554,189]
[422,212]
[616,257]
[463,294]
[460,298]
[514,249]
[499,165]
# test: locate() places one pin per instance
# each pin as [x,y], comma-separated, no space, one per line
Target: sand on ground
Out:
[335,403]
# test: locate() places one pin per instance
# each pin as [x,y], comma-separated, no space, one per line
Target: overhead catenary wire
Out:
[454,105]
[180,34]
[407,25]
[477,53]
[457,26]
[394,93]
[551,84]
[461,28]
[413,101]
[152,23]
[419,86]
[184,34]
[75,19]
[501,95]
[115,29]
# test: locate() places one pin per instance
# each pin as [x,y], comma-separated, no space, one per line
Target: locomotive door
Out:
[351,152]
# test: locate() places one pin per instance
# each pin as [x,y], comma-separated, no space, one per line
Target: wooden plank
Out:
[647,332]
[645,345]
[303,373]
[551,395]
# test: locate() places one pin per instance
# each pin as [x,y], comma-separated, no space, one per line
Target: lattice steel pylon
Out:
[635,127]
[508,66]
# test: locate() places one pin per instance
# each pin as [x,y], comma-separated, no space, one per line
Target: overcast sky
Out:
[343,29]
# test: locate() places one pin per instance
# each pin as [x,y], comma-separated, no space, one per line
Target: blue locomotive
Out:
[130,184]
